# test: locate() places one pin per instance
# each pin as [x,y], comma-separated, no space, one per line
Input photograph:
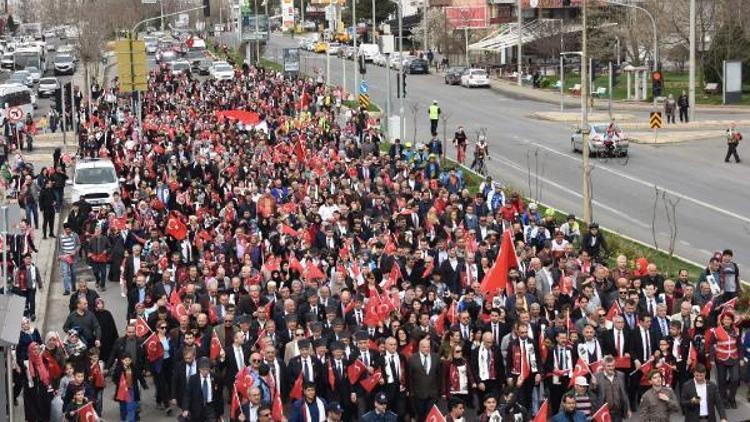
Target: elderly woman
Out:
[37,386]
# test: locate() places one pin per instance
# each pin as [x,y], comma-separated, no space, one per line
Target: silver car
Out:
[600,137]
[48,86]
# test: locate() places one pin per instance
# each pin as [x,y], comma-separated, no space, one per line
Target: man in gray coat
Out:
[608,386]
[424,375]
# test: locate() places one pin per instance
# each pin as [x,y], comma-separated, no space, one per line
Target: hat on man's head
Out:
[381,398]
[204,363]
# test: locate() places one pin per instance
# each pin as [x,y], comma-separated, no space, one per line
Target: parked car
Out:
[475,78]
[453,75]
[333,49]
[379,59]
[7,61]
[48,86]
[369,51]
[320,47]
[417,65]
[179,67]
[599,139]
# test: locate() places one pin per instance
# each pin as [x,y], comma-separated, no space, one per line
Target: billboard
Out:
[287,14]
[291,60]
[473,17]
[249,30]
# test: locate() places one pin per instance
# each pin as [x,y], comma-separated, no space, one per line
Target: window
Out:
[95,176]
[15,99]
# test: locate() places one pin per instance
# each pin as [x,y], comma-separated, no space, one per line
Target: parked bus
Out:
[26,56]
[14,96]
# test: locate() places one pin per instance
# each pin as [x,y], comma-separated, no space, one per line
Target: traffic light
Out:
[362,65]
[206,8]
[58,101]
[403,84]
[657,83]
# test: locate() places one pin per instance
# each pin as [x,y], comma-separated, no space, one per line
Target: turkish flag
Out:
[595,367]
[440,323]
[731,304]
[285,229]
[97,378]
[541,415]
[370,382]
[243,380]
[215,346]
[614,311]
[294,264]
[189,42]
[141,328]
[581,369]
[314,273]
[390,246]
[393,277]
[331,376]
[299,150]
[296,392]
[435,415]
[451,315]
[123,393]
[602,415]
[408,350]
[179,310]
[497,277]
[372,318]
[154,348]
[119,223]
[277,409]
[176,228]
[354,370]
[706,310]
[543,351]
[692,358]
[235,410]
[645,369]
[87,413]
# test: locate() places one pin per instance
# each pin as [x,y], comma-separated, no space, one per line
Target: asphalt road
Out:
[535,157]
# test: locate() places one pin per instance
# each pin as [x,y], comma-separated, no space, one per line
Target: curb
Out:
[41,320]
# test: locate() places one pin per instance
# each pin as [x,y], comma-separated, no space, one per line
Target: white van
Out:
[16,97]
[369,51]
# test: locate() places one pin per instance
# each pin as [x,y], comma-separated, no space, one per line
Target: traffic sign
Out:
[655,120]
[363,87]
[364,100]
[15,114]
[132,67]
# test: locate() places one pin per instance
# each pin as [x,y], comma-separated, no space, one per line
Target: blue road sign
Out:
[363,87]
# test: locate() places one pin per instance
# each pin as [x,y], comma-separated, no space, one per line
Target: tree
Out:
[383,10]
[11,25]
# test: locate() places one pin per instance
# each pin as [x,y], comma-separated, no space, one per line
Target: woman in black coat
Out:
[109,329]
[37,386]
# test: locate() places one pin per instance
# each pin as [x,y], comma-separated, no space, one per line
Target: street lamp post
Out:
[691,77]
[356,51]
[520,43]
[400,70]
[587,208]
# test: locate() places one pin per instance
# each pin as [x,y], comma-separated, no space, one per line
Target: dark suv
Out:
[453,75]
[418,66]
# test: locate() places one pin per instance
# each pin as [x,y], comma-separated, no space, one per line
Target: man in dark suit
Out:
[237,358]
[608,386]
[487,366]
[203,395]
[616,341]
[130,266]
[371,359]
[521,300]
[180,377]
[424,378]
[700,398]
[642,346]
[307,365]
[137,294]
[450,271]
[341,389]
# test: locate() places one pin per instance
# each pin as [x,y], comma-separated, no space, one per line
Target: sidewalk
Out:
[553,97]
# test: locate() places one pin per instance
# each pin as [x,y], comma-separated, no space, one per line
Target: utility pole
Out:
[374,25]
[424,26]
[356,50]
[691,78]
[609,90]
[520,43]
[257,31]
[587,210]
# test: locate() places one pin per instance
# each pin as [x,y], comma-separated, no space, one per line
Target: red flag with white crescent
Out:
[580,370]
[370,382]
[602,415]
[141,328]
[216,347]
[331,376]
[176,228]
[541,415]
[123,395]
[296,392]
[235,410]
[692,358]
[435,415]
[154,348]
[277,410]
[87,413]
[354,370]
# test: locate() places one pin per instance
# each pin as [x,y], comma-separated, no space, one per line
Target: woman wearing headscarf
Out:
[109,329]
[54,357]
[28,335]
[37,386]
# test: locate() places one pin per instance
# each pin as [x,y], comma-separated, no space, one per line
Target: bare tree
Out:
[414,107]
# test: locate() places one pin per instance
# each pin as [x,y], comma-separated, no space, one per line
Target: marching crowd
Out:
[278,264]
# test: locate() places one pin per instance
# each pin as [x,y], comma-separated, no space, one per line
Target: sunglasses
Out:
[162,328]
[299,334]
[457,351]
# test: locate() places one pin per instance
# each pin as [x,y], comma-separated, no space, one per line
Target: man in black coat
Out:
[307,365]
[47,207]
[693,404]
[278,370]
[203,395]
[180,376]
[642,346]
[238,357]
[424,378]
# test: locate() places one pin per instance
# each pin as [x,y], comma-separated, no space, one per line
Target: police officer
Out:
[434,113]
[381,412]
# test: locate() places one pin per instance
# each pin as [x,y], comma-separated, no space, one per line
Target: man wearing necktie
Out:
[306,365]
[203,397]
[371,360]
[523,356]
[424,377]
[642,345]
[559,364]
[393,367]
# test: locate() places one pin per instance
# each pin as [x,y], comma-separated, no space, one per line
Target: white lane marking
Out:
[570,191]
[643,182]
